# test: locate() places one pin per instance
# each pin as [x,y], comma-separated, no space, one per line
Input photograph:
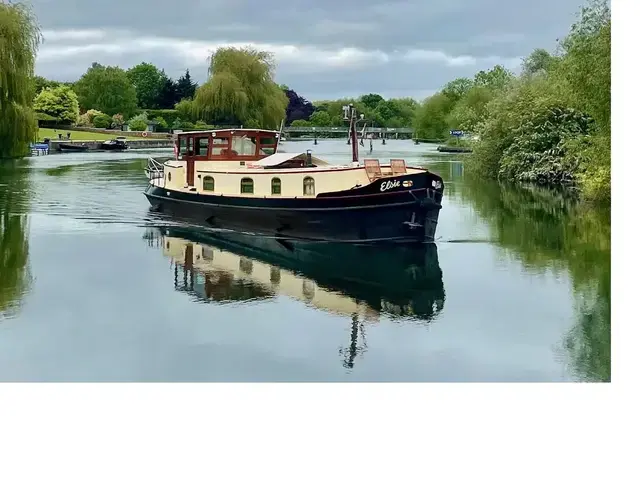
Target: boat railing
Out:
[155,172]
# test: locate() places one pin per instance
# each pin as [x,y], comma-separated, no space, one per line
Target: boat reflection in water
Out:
[359,282]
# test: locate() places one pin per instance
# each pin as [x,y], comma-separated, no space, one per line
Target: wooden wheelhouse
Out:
[230,145]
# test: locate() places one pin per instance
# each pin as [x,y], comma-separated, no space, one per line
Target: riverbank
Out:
[86,135]
[134,144]
[549,125]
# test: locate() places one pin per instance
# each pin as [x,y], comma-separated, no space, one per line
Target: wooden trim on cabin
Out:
[256,135]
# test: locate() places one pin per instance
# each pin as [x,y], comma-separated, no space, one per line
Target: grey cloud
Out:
[365,24]
[488,30]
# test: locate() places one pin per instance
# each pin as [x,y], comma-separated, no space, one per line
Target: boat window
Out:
[202,146]
[190,146]
[207,253]
[208,183]
[183,145]
[246,185]
[275,276]
[267,145]
[276,186]
[220,146]
[243,145]
[308,289]
[309,186]
[246,266]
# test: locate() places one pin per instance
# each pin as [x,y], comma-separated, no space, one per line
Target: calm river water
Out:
[95,288]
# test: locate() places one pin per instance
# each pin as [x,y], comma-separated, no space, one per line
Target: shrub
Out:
[137,125]
[162,123]
[91,114]
[117,120]
[102,121]
[169,115]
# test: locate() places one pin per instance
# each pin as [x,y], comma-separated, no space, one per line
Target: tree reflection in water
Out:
[547,229]
[15,275]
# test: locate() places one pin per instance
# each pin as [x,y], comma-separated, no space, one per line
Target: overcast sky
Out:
[324,48]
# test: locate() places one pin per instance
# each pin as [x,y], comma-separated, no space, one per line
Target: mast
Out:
[279,136]
[350,115]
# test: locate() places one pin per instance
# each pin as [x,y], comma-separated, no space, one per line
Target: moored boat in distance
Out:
[73,147]
[119,143]
[236,178]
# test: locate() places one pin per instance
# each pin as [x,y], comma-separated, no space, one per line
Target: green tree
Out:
[457,88]
[320,119]
[469,112]
[241,86]
[107,89]
[60,102]
[41,83]
[539,61]
[505,113]
[185,109]
[398,112]
[148,82]
[185,87]
[19,40]
[586,69]
[404,111]
[497,78]
[552,124]
[383,112]
[431,118]
[168,92]
[371,100]
[586,65]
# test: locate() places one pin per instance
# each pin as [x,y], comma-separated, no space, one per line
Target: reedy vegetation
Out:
[551,125]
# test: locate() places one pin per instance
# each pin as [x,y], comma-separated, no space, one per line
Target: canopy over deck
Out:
[278,159]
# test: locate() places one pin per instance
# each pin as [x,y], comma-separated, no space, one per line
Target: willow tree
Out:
[19,40]
[241,87]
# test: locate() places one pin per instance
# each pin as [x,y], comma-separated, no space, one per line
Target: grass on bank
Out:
[80,135]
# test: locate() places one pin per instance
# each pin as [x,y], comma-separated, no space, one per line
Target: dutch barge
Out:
[236,178]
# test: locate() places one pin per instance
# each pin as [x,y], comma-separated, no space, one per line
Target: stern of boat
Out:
[154,171]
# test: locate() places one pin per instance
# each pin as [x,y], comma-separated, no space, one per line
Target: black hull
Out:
[406,216]
[73,148]
[114,147]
